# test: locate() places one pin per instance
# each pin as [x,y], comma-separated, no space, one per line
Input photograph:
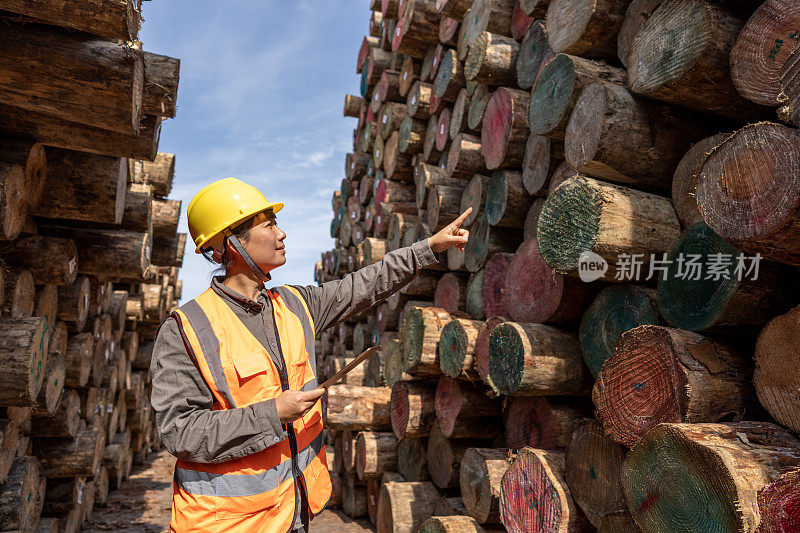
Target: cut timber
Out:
[114,19]
[720,295]
[533,292]
[701,477]
[539,422]
[593,468]
[477,105]
[535,360]
[615,310]
[542,158]
[485,241]
[158,173]
[473,196]
[375,454]
[411,136]
[451,524]
[534,53]
[465,157]
[168,251]
[684,180]
[492,59]
[77,359]
[577,217]
[71,458]
[637,14]
[488,15]
[409,73]
[13,200]
[538,476]
[426,177]
[31,156]
[505,128]
[790,90]
[396,164]
[669,375]
[451,507]
[450,77]
[24,358]
[403,507]
[443,129]
[775,381]
[443,206]
[109,253]
[534,8]
[411,459]
[358,408]
[464,411]
[352,105]
[458,119]
[777,501]
[354,497]
[399,225]
[481,474]
[61,133]
[394,369]
[507,200]
[19,495]
[457,346]
[453,8]
[418,103]
[50,396]
[494,283]
[72,76]
[81,186]
[412,409]
[391,117]
[616,136]
[444,456]
[520,22]
[138,213]
[64,420]
[419,336]
[161,76]
[166,214]
[558,87]
[586,27]
[374,250]
[762,48]
[532,219]
[429,151]
[745,191]
[699,76]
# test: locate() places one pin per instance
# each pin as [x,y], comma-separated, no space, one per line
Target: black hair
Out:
[242,232]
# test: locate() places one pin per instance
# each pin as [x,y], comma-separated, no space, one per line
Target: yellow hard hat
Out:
[222,205]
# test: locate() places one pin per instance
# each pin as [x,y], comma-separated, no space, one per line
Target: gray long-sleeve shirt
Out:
[188,427]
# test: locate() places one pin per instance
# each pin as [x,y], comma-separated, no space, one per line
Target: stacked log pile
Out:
[89,253]
[509,392]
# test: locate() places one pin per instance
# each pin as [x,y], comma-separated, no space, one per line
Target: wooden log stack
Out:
[586,136]
[89,253]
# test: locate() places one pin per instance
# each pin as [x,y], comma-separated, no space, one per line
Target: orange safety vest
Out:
[257,491]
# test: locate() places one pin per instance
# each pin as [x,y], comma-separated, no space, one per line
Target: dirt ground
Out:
[144,502]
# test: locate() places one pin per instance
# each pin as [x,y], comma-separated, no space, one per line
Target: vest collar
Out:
[230,295]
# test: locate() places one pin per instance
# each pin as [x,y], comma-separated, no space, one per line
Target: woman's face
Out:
[265,242]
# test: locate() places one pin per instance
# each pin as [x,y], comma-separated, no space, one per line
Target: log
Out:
[458,116]
[18,293]
[161,76]
[374,250]
[157,172]
[684,180]
[535,360]
[700,77]
[761,50]
[474,296]
[394,369]
[443,206]
[450,507]
[775,385]
[64,420]
[352,105]
[457,347]
[30,155]
[481,474]
[507,200]
[789,97]
[444,457]
[669,375]
[615,310]
[23,354]
[58,339]
[358,408]
[411,136]
[485,241]
[111,253]
[412,409]
[637,14]
[70,458]
[587,29]
[166,214]
[451,292]
[450,524]
[593,467]
[473,196]
[465,412]
[354,497]
[540,162]
[734,199]
[106,18]
[19,495]
[375,454]
[411,459]
[453,8]
[705,475]
[421,286]
[418,103]
[419,336]
[9,443]
[505,128]
[443,130]
[477,106]
[538,476]
[82,79]
[363,52]
[774,499]
[648,225]
[488,15]
[450,77]
[426,177]
[493,285]
[559,86]
[399,225]
[465,157]
[54,131]
[534,8]
[409,73]
[391,117]
[13,200]
[167,251]
[397,165]
[403,507]
[534,53]
[50,260]
[520,22]
[730,299]
[539,422]
[429,151]
[391,192]
[492,59]
[50,394]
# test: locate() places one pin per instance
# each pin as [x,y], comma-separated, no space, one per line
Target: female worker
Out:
[233,371]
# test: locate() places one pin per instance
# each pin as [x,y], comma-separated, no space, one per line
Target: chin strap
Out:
[261,275]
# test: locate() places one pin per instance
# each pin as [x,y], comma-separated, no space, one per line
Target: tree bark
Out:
[161,76]
[158,173]
[77,360]
[24,358]
[358,408]
[587,29]
[465,412]
[168,251]
[107,253]
[542,423]
[465,157]
[354,497]
[113,19]
[166,214]
[637,14]
[375,454]
[444,457]
[492,59]
[684,180]
[403,507]
[477,106]
[481,473]
[352,105]
[30,155]
[443,206]
[13,200]
[420,334]
[19,495]
[70,458]
[64,420]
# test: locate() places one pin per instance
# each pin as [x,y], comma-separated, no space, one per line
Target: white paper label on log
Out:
[73,263]
[380,315]
[435,60]
[398,30]
[405,75]
[352,164]
[86,300]
[372,499]
[378,153]
[80,492]
[385,119]
[414,99]
[441,129]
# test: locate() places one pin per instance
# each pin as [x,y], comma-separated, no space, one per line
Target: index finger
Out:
[460,220]
[313,394]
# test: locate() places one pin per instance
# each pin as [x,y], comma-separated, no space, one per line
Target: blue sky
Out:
[260,98]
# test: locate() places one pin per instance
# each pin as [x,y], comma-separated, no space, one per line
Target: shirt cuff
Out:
[267,413]
[424,255]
